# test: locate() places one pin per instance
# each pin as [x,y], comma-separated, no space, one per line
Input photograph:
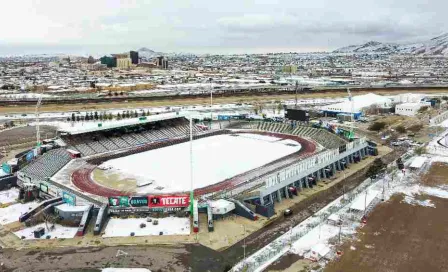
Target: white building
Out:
[410,109]
[359,102]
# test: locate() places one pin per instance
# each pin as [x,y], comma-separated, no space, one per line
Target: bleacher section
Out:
[322,136]
[102,142]
[48,164]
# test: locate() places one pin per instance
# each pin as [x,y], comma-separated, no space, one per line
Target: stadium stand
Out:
[320,135]
[102,142]
[48,164]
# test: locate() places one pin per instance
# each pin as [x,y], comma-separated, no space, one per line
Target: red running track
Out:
[81,178]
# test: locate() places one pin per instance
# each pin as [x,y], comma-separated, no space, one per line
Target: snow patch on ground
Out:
[9,196]
[58,232]
[412,201]
[118,227]
[12,213]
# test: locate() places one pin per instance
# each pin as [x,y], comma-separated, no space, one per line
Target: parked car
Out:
[287,212]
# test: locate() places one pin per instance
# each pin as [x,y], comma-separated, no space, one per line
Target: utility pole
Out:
[365,204]
[297,86]
[244,243]
[211,101]
[191,166]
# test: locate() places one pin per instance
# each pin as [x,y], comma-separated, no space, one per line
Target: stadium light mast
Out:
[191,165]
[39,102]
[211,101]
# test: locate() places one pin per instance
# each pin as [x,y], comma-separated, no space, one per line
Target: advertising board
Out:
[43,188]
[29,156]
[167,201]
[69,198]
[6,168]
[128,201]
[119,201]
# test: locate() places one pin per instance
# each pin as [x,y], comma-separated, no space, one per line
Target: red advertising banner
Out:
[161,201]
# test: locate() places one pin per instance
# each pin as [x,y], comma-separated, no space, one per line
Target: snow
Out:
[124,270]
[59,232]
[412,201]
[117,227]
[2,173]
[9,196]
[418,162]
[316,236]
[12,213]
[84,127]
[233,155]
[362,201]
[69,208]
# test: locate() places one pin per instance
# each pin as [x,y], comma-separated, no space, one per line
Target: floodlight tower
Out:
[352,109]
[39,102]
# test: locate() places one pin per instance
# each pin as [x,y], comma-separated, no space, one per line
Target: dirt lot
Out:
[24,135]
[437,174]
[401,237]
[156,259]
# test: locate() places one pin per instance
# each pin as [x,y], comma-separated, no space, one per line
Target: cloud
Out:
[204,25]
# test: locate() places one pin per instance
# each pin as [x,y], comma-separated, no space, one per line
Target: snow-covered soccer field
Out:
[215,159]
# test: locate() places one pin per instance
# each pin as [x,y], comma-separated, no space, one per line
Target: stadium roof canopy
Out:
[359,102]
[85,127]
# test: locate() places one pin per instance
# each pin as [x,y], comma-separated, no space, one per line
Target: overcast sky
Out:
[212,26]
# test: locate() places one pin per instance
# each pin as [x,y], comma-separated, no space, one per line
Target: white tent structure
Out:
[418,162]
[318,252]
[359,102]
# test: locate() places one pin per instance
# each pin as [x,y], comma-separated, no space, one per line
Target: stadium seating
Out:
[320,135]
[99,143]
[48,164]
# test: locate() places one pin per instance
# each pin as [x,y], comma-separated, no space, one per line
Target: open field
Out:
[202,100]
[402,237]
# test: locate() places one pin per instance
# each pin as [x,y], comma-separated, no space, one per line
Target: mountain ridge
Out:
[432,47]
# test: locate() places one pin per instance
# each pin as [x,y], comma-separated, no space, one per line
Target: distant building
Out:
[124,63]
[162,62]
[291,69]
[109,61]
[134,57]
[410,109]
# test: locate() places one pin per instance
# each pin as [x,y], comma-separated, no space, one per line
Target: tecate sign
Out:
[169,201]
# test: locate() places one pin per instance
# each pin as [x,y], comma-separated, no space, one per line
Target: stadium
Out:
[149,164]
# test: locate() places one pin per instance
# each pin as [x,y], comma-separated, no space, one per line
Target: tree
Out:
[68,119]
[135,114]
[118,116]
[143,113]
[400,129]
[279,108]
[377,126]
[96,116]
[128,115]
[420,150]
[376,167]
[91,116]
[110,116]
[415,128]
[73,117]
[423,109]
[78,118]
